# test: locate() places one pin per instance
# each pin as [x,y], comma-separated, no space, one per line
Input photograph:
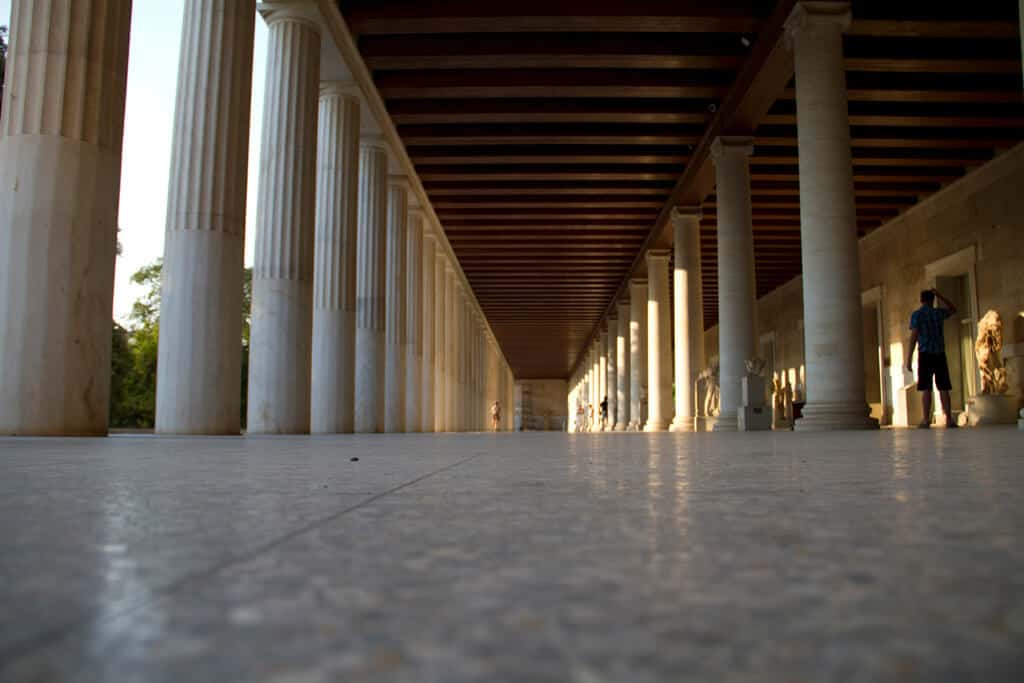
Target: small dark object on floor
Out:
[354,459]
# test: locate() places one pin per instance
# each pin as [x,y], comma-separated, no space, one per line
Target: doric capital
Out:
[659,255]
[731,145]
[299,11]
[814,13]
[637,282]
[398,180]
[345,89]
[685,212]
[623,305]
[374,141]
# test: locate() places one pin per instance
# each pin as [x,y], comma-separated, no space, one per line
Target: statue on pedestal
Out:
[709,380]
[987,350]
[991,406]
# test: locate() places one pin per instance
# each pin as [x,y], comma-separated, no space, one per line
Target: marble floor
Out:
[886,556]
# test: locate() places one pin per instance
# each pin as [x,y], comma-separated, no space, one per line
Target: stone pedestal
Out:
[60,172]
[753,414]
[334,272]
[985,410]
[282,282]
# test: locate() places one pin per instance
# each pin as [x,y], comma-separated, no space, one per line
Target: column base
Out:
[656,426]
[620,427]
[725,423]
[831,416]
[683,424]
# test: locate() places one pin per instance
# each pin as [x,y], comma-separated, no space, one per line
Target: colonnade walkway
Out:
[885,555]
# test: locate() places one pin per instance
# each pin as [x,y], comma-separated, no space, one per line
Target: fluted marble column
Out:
[440,342]
[612,382]
[395,344]
[280,354]
[450,344]
[414,322]
[428,360]
[737,305]
[200,353]
[833,325]
[334,270]
[370,272]
[637,351]
[689,313]
[622,372]
[595,384]
[659,343]
[60,171]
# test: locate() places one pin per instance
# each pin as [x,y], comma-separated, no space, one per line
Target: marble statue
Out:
[756,366]
[778,404]
[987,350]
[709,378]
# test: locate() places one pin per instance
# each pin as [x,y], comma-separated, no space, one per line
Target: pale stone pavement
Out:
[885,556]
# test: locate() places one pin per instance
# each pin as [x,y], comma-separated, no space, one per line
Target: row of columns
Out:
[828,229]
[360,321]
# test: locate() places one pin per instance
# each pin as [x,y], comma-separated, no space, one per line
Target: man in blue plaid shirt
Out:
[926,333]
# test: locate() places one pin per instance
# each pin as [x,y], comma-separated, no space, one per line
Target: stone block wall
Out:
[541,404]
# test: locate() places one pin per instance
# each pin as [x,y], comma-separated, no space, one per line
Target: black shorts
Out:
[931,365]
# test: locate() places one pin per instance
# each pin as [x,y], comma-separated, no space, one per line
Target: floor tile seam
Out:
[19,650]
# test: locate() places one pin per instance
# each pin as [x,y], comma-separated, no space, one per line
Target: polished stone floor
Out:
[886,556]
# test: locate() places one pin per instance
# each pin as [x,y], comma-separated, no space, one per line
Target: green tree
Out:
[3,62]
[134,357]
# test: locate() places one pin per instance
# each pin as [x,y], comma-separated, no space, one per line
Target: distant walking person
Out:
[926,334]
[604,413]
[495,415]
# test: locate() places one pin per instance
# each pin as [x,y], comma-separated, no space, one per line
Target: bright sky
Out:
[149,117]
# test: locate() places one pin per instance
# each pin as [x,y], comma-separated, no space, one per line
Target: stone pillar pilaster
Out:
[334,269]
[441,339]
[199,360]
[637,352]
[370,272]
[659,343]
[395,345]
[737,304]
[60,173]
[622,358]
[450,343]
[612,381]
[833,328]
[280,354]
[414,321]
[428,360]
[689,314]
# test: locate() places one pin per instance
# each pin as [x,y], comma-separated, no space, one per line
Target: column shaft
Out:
[637,352]
[450,343]
[659,343]
[737,308]
[200,353]
[335,263]
[428,360]
[370,272]
[612,382]
[689,314]
[60,171]
[414,322]
[440,342]
[622,358]
[395,345]
[833,328]
[282,284]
